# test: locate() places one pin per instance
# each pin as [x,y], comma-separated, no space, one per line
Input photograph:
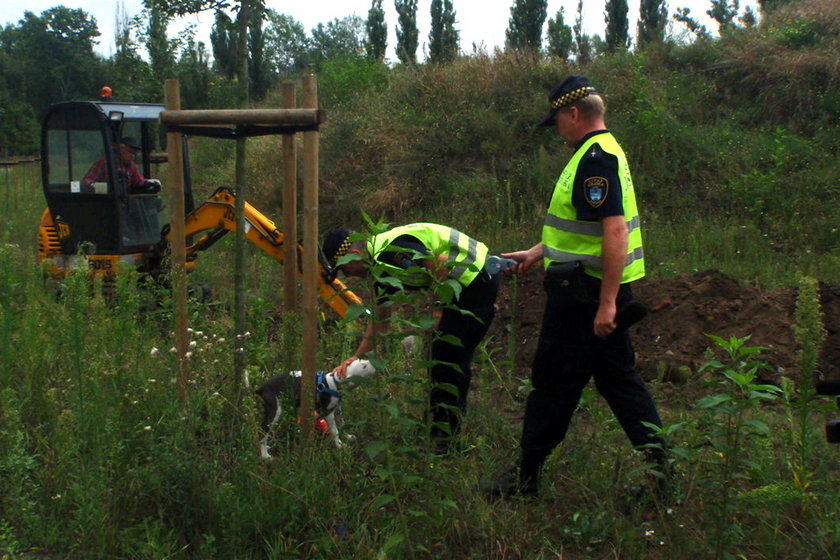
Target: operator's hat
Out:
[336,244]
[131,142]
[565,93]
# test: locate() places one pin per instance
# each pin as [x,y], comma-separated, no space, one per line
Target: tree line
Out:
[49,57]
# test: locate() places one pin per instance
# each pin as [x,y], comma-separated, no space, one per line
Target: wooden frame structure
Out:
[239,124]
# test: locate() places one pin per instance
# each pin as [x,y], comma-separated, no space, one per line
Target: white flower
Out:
[154,352]
[193,343]
[147,428]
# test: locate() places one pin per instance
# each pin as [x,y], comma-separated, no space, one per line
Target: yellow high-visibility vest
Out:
[465,255]
[566,239]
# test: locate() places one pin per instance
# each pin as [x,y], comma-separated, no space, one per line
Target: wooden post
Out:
[289,207]
[239,325]
[310,261]
[178,242]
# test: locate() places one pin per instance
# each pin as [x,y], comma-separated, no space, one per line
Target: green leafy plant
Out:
[732,422]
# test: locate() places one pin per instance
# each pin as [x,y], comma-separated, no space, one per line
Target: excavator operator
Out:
[126,170]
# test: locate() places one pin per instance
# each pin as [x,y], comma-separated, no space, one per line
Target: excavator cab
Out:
[101,216]
[89,178]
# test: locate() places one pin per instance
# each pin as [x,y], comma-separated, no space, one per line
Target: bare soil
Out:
[670,341]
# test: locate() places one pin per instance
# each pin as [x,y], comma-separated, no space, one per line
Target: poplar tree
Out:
[583,44]
[223,43]
[724,13]
[653,14]
[443,37]
[525,24]
[377,32]
[615,16]
[560,39]
[407,34]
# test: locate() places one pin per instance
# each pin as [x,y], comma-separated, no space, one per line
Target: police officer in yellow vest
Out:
[414,254]
[592,251]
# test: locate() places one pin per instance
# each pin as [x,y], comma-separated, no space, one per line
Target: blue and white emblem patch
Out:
[595,190]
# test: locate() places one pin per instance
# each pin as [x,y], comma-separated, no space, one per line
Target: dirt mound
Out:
[671,341]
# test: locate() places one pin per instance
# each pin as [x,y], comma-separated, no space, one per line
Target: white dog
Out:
[328,399]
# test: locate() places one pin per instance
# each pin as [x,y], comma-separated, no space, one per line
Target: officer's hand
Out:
[341,371]
[524,261]
[605,320]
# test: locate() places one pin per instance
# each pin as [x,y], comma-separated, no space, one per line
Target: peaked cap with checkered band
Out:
[565,93]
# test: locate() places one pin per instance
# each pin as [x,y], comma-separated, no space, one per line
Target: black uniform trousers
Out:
[452,363]
[568,356]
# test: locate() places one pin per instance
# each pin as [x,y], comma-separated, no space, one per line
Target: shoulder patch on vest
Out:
[595,190]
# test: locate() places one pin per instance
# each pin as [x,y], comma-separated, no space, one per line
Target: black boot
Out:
[523,481]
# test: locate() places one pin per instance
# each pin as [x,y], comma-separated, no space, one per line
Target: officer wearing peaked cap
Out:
[591,248]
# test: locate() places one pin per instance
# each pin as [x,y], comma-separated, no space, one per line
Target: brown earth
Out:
[670,342]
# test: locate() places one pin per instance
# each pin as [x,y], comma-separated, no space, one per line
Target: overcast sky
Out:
[481,22]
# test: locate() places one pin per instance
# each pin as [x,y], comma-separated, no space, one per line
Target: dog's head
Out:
[360,368]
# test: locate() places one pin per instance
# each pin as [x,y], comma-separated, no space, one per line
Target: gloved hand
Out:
[151,185]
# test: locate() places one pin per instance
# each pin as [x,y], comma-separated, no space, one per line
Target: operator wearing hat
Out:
[126,169]
[591,248]
[425,256]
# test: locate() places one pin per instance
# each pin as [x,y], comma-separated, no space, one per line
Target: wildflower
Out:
[172,350]
[193,343]
[154,352]
[188,355]
[147,428]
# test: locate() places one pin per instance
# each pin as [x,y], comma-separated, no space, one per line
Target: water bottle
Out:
[496,264]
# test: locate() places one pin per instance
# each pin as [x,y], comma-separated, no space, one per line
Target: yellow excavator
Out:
[103,214]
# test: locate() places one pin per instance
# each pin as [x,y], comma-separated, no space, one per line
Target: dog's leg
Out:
[333,427]
[339,421]
[271,413]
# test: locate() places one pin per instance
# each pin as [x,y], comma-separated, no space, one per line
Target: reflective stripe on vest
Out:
[466,253]
[565,238]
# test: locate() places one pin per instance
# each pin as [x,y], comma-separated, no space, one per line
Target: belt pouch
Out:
[565,284]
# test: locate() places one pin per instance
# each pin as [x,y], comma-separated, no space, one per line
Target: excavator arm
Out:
[213,219]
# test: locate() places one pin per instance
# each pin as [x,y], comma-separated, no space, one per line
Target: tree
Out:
[51,58]
[193,71]
[583,44]
[683,15]
[161,51]
[223,42]
[770,6]
[245,10]
[615,16]
[443,37]
[525,25]
[130,74]
[286,43]
[653,15]
[377,32]
[724,13]
[560,39]
[259,69]
[407,34]
[340,37]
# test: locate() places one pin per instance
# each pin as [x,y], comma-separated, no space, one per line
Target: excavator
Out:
[99,216]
